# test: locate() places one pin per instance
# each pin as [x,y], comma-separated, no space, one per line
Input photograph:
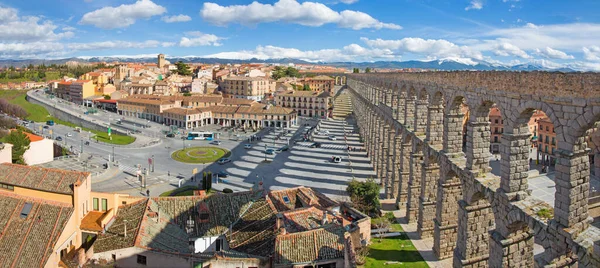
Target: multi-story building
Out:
[253,88]
[149,109]
[305,103]
[320,83]
[63,90]
[80,90]
[497,128]
[161,61]
[546,141]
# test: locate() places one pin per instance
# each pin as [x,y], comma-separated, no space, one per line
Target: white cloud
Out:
[117,44]
[507,49]
[352,52]
[475,4]
[348,1]
[591,53]
[290,11]
[69,28]
[176,18]
[553,54]
[123,15]
[430,48]
[15,28]
[199,39]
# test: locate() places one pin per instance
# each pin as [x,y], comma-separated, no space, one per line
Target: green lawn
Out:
[393,249]
[200,155]
[39,114]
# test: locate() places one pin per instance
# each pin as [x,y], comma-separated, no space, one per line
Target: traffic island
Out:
[200,155]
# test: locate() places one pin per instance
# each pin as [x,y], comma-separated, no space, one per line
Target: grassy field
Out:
[394,249]
[200,155]
[38,113]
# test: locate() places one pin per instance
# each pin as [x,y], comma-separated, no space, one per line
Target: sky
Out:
[551,33]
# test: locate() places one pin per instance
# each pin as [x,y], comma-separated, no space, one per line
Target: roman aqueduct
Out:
[412,126]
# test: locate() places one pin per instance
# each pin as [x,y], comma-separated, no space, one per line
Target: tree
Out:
[20,143]
[355,70]
[306,87]
[382,224]
[365,195]
[107,97]
[187,94]
[367,70]
[182,68]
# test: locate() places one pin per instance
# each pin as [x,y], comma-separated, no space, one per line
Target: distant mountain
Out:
[449,64]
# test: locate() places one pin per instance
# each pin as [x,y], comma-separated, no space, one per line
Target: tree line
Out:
[43,72]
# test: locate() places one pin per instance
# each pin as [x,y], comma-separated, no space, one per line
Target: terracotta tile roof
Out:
[294,93]
[255,232]
[43,179]
[316,245]
[305,219]
[203,99]
[223,210]
[91,221]
[144,101]
[321,77]
[223,109]
[274,110]
[33,137]
[29,242]
[182,111]
[299,197]
[157,232]
[237,101]
[114,237]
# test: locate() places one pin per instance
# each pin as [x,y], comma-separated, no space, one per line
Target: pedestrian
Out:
[530,160]
[148,192]
[169,173]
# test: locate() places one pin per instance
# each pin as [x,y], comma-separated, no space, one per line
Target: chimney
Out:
[279,221]
[324,221]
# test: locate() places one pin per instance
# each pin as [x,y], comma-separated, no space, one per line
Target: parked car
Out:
[336,159]
[170,135]
[315,145]
[223,174]
[247,146]
[59,138]
[215,142]
[46,127]
[269,151]
[69,134]
[333,138]
[223,161]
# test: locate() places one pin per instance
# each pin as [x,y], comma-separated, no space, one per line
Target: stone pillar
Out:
[382,153]
[420,117]
[474,224]
[406,149]
[396,176]
[390,162]
[400,107]
[514,164]
[478,143]
[435,126]
[409,112]
[572,179]
[429,182]
[453,131]
[444,235]
[414,183]
[394,105]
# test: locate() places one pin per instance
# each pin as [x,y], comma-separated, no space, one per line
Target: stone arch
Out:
[404,176]
[454,120]
[478,136]
[414,183]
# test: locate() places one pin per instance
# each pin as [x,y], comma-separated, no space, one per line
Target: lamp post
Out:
[125,226]
[81,150]
[113,154]
[265,153]
[152,163]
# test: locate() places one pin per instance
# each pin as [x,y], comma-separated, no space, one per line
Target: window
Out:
[95,204]
[496,121]
[141,259]
[286,199]
[218,245]
[495,138]
[7,187]
[104,204]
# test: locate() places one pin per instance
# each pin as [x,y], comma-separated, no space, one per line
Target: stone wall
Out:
[477,218]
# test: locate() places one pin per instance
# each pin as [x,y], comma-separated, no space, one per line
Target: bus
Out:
[209,136]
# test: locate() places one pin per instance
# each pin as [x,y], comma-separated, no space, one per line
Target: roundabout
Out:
[200,155]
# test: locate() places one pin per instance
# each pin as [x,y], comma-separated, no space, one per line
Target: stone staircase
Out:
[342,106]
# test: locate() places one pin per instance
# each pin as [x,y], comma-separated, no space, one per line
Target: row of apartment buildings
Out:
[52,218]
[197,111]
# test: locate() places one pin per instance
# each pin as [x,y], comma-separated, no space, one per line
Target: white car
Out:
[248,146]
[333,138]
[69,134]
[336,159]
[215,142]
[223,161]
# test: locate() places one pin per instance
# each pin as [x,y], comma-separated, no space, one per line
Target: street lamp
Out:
[113,154]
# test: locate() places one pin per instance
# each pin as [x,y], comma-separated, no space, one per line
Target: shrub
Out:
[227,191]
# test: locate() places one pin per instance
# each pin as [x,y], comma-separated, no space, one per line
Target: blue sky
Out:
[551,33]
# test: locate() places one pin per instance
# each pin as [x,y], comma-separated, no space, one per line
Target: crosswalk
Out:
[323,146]
[128,169]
